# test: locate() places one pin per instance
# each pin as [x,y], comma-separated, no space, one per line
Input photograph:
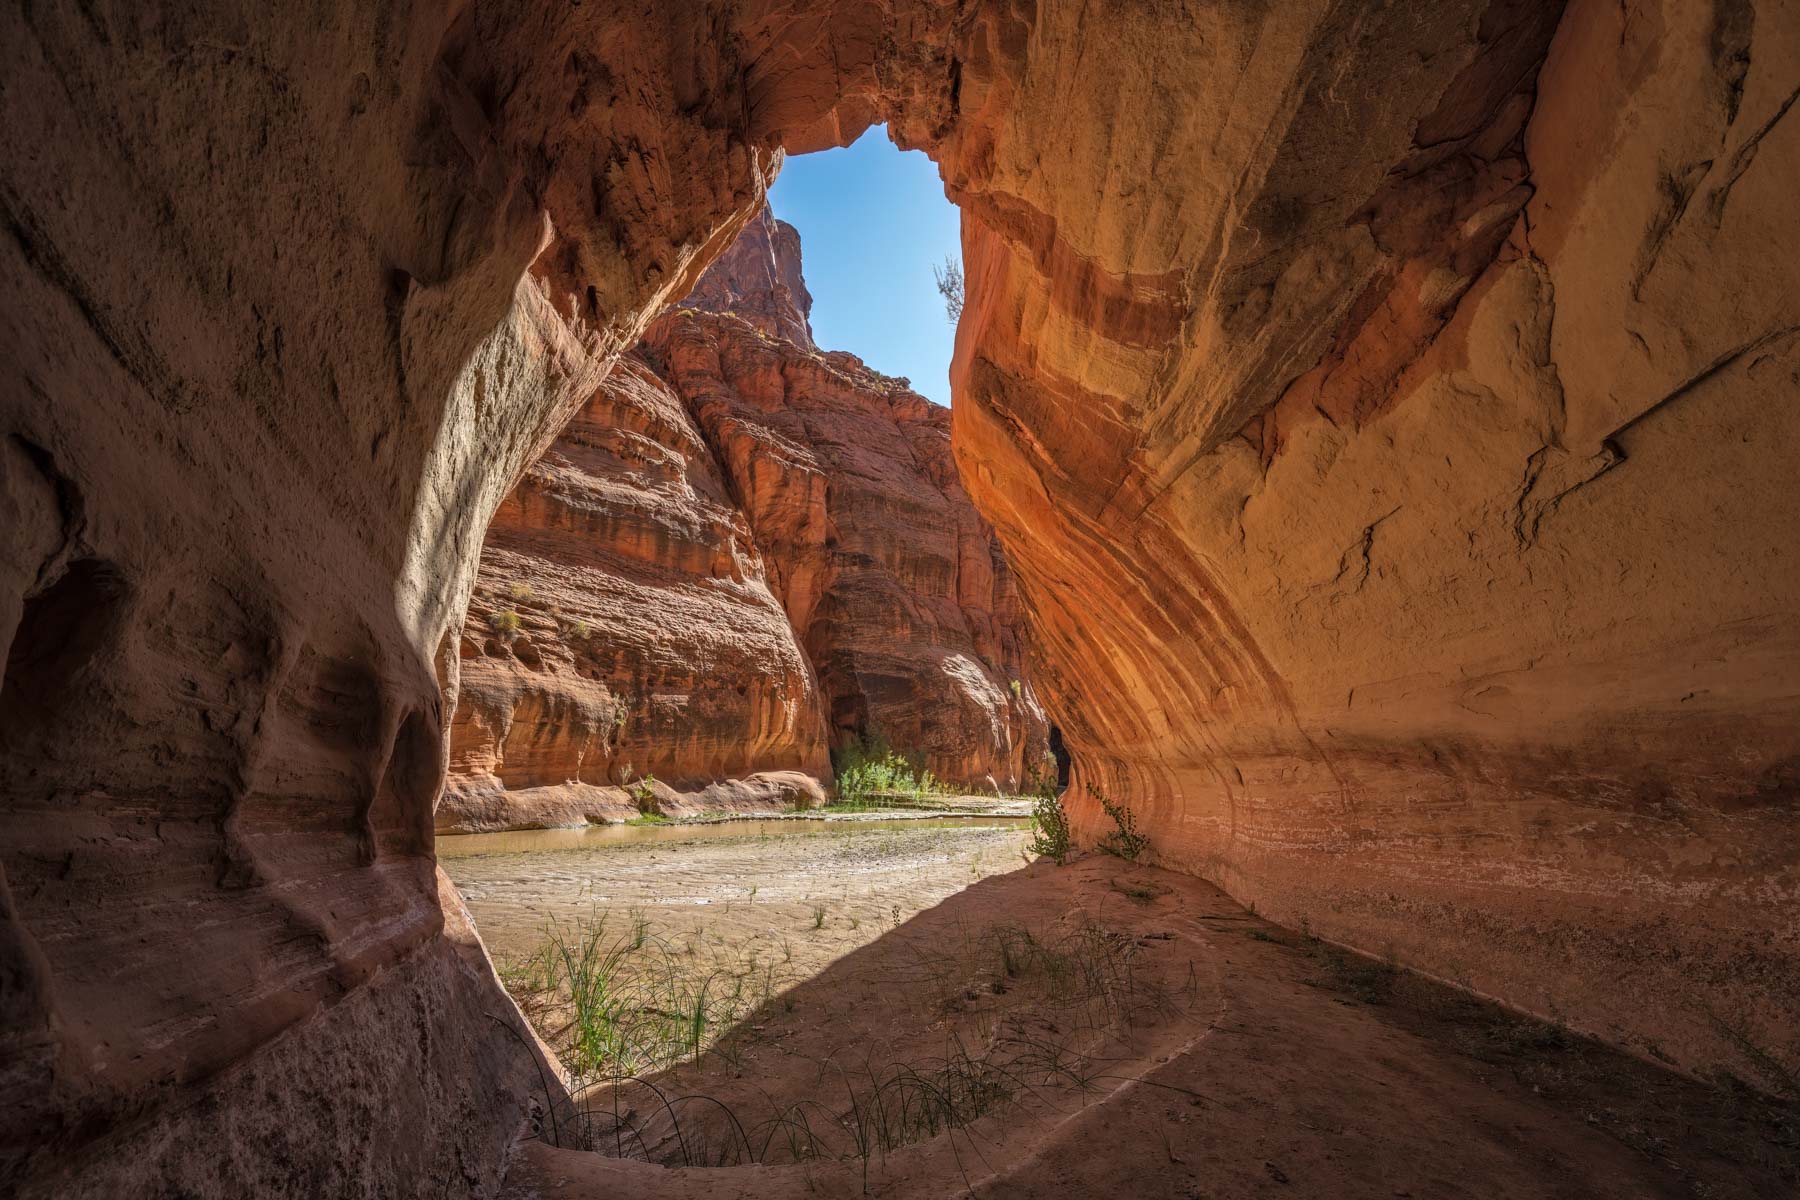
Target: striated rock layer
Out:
[625,621]
[622,627]
[1398,472]
[896,587]
[1386,410]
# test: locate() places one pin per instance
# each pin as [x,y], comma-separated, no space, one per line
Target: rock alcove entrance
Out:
[744,557]
[745,551]
[1385,412]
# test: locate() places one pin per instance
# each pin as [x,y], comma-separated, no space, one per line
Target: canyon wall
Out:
[1387,411]
[625,620]
[1420,414]
[896,587]
[621,628]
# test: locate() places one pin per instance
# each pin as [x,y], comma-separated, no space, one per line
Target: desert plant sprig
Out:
[1124,841]
[1049,822]
[949,278]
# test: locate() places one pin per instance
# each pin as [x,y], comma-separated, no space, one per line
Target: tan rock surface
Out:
[1412,553]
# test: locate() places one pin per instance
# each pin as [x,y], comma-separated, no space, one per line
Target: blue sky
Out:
[872,221]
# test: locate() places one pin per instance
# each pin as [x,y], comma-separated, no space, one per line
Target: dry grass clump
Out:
[619,1002]
[654,1035]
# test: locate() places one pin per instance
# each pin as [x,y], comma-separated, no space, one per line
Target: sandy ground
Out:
[746,892]
[1160,1042]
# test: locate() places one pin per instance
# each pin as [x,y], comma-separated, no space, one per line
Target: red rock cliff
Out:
[622,627]
[1399,477]
[623,622]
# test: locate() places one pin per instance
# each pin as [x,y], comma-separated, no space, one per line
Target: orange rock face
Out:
[632,614]
[622,628]
[1399,479]
[1386,410]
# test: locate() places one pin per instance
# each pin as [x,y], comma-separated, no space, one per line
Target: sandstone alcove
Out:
[1386,409]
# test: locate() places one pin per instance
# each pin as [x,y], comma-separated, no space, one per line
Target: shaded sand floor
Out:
[1209,1054]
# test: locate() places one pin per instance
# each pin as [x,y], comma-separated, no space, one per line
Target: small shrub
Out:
[1018,689]
[1124,841]
[643,794]
[520,591]
[506,622]
[868,768]
[1049,822]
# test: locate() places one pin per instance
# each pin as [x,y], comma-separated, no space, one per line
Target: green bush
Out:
[1049,821]
[1124,841]
[868,768]
[623,703]
[505,622]
[643,793]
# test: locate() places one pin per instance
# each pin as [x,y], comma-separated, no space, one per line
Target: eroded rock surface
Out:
[632,613]
[1428,442]
[897,588]
[622,628]
[1386,410]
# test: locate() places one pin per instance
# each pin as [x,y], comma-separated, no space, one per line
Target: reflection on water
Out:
[597,837]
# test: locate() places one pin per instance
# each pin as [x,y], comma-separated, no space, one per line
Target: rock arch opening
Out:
[1385,418]
[746,555]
